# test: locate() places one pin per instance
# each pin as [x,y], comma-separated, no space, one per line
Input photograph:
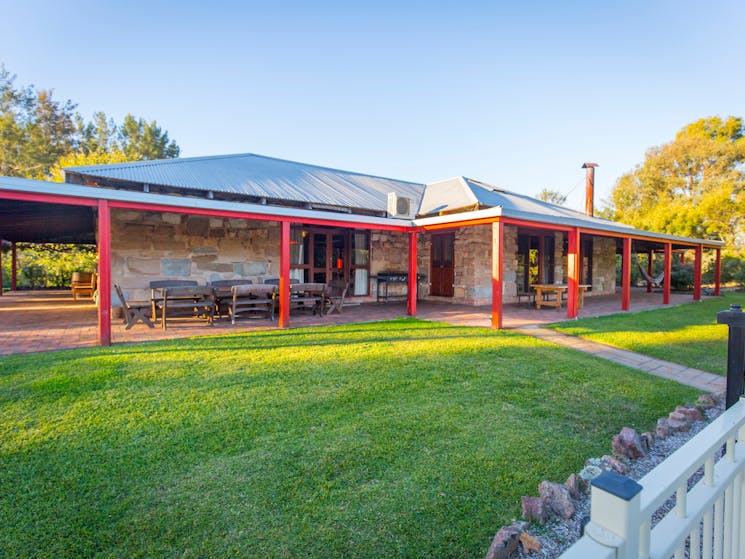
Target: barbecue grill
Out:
[387,278]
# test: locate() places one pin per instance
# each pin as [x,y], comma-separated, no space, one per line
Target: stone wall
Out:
[603,266]
[147,246]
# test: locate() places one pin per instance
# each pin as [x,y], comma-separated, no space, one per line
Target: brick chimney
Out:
[590,188]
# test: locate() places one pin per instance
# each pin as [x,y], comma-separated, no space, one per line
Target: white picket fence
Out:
[707,519]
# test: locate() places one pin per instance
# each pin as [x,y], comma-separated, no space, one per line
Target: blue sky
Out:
[517,94]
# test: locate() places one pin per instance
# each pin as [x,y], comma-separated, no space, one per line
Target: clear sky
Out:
[517,94]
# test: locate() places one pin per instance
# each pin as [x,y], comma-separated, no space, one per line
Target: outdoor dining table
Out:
[559,289]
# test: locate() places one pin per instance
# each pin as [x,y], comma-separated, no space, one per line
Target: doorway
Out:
[323,255]
[442,270]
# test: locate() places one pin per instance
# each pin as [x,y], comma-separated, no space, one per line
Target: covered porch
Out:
[32,321]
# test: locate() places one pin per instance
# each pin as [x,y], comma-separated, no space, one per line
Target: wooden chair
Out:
[253,299]
[186,301]
[83,283]
[529,295]
[134,311]
[335,295]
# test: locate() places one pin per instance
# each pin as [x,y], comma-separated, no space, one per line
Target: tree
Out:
[692,186]
[39,135]
[35,130]
[553,196]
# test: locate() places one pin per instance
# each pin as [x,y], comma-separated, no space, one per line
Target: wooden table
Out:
[559,289]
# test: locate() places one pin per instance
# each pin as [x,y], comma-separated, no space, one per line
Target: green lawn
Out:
[686,334]
[394,439]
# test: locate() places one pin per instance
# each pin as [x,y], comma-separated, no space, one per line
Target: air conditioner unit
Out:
[398,206]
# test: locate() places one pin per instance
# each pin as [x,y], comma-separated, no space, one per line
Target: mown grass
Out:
[394,439]
[686,334]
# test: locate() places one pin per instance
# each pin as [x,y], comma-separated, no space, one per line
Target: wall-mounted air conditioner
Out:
[398,206]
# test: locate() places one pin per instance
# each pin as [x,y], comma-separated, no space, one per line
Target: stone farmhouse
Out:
[262,218]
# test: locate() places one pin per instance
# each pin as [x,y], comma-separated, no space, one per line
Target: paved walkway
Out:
[685,375]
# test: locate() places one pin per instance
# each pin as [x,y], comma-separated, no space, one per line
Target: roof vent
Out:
[398,206]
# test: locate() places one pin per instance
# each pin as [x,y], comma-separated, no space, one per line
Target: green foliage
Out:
[733,271]
[553,196]
[681,277]
[48,265]
[39,136]
[693,186]
[395,439]
[35,130]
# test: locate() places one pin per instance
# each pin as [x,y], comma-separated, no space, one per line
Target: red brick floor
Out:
[32,321]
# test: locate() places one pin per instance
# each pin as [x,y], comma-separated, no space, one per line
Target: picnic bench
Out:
[252,299]
[156,292]
[543,292]
[308,296]
[224,293]
[196,302]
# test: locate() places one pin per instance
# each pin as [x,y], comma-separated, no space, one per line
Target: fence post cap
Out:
[617,485]
[732,317]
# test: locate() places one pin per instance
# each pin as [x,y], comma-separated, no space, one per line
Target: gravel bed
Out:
[559,534]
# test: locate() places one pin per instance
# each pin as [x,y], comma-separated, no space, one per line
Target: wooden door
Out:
[330,255]
[442,271]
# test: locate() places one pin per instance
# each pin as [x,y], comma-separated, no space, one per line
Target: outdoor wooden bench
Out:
[223,293]
[83,283]
[308,296]
[134,311]
[197,302]
[252,299]
[156,292]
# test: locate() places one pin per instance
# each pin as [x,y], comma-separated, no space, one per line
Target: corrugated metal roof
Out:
[459,193]
[255,175]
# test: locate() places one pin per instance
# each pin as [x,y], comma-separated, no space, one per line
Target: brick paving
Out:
[33,321]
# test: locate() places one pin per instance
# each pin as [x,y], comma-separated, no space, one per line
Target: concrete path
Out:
[685,375]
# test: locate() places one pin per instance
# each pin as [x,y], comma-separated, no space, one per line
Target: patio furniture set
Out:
[551,294]
[171,299]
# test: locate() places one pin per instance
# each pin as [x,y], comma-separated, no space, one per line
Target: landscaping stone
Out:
[588,473]
[677,422]
[647,440]
[608,463]
[572,485]
[691,413]
[628,443]
[662,431]
[505,542]
[707,401]
[557,497]
[530,544]
[535,509]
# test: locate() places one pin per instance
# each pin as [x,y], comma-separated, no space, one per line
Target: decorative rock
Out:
[504,543]
[572,485]
[628,443]
[663,428]
[588,473]
[535,509]
[557,498]
[647,441]
[691,413]
[707,401]
[612,463]
[677,422]
[530,543]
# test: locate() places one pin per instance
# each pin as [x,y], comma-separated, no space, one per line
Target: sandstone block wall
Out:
[603,266]
[147,246]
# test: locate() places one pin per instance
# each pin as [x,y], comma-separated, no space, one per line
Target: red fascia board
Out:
[536,224]
[47,198]
[254,216]
[638,237]
[456,224]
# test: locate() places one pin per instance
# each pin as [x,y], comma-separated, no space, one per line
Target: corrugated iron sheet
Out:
[255,175]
